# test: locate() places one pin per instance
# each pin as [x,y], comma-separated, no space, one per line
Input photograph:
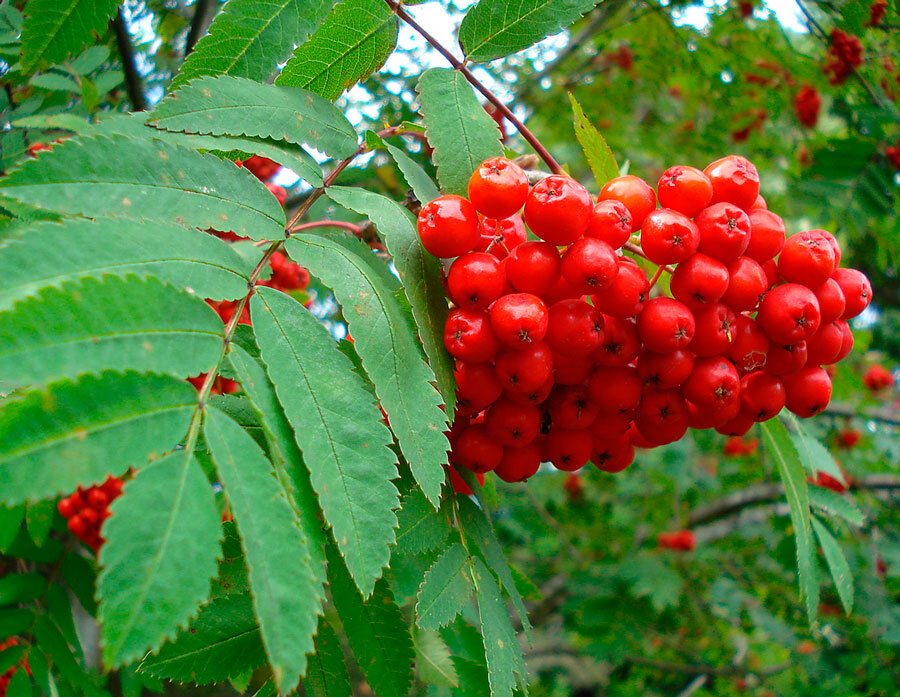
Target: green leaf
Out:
[50,254]
[461,132]
[20,588]
[421,527]
[236,106]
[433,659]
[55,29]
[146,179]
[779,445]
[422,185]
[221,642]
[109,324]
[813,454]
[385,339]
[445,589]
[287,596]
[327,675]
[55,83]
[836,505]
[599,156]
[496,28]
[650,577]
[477,526]
[53,644]
[351,44]
[39,517]
[338,429]
[162,542]
[506,667]
[72,434]
[837,564]
[376,630]
[420,275]
[19,685]
[11,518]
[250,37]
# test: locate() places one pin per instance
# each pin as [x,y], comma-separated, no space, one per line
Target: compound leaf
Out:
[445,589]
[53,30]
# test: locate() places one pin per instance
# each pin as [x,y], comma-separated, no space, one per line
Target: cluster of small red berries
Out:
[844,54]
[86,510]
[877,11]
[8,674]
[680,540]
[264,169]
[892,153]
[736,445]
[562,356]
[807,103]
[848,437]
[877,378]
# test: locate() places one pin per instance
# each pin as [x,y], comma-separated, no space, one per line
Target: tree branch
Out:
[700,669]
[198,25]
[133,82]
[887,416]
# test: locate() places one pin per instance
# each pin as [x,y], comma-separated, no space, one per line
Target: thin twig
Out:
[198,25]
[476,83]
[133,82]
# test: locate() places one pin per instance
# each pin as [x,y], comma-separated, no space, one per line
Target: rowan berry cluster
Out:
[877,11]
[736,445]
[892,152]
[563,356]
[8,674]
[680,540]
[86,510]
[844,55]
[877,378]
[807,103]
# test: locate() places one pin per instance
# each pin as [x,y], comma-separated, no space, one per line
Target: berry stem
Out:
[656,275]
[635,249]
[478,85]
[350,227]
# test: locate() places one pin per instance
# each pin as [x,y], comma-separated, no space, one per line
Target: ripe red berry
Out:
[533,267]
[620,343]
[574,328]
[468,336]
[684,189]
[519,319]
[498,187]
[834,244]
[512,425]
[662,416]
[724,231]
[625,296]
[572,408]
[771,270]
[612,454]
[760,203]
[831,301]
[762,395]
[857,291]
[823,347]
[477,450]
[90,516]
[703,417]
[78,526]
[67,508]
[663,370]
[766,235]
[750,347]
[877,378]
[611,222]
[561,290]
[448,226]
[807,258]
[610,427]
[519,464]
[532,398]
[789,313]
[500,236]
[475,280]
[699,281]
[97,499]
[615,389]
[734,180]
[665,325]
[637,195]
[524,370]
[713,330]
[736,427]
[786,359]
[477,385]
[558,209]
[846,342]
[569,450]
[570,370]
[746,285]
[668,237]
[714,382]
[589,265]
[808,392]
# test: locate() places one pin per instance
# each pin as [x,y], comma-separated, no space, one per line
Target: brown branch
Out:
[198,25]
[476,83]
[133,82]
[887,416]
[700,669]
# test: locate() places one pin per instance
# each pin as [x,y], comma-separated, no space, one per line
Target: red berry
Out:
[519,319]
[475,280]
[498,187]
[534,397]
[620,343]
[615,389]
[834,244]
[684,189]
[785,359]
[67,508]
[857,291]
[610,427]
[590,265]
[512,425]
[519,464]
[562,290]
[703,417]
[477,385]
[625,296]
[825,345]
[877,378]
[759,203]
[97,499]
[762,395]
[468,336]
[849,437]
[663,370]
[574,328]
[665,325]
[831,301]
[612,455]
[662,416]
[611,222]
[714,382]
[807,258]
[569,370]
[558,209]
[808,392]
[668,237]
[789,313]
[524,370]
[766,235]
[569,450]
[533,267]
[771,270]
[500,237]
[699,281]
[724,231]
[78,526]
[846,341]
[734,180]
[637,195]
[737,426]
[713,330]
[448,226]
[262,167]
[750,346]
[476,450]
[572,408]
[90,516]
[746,286]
